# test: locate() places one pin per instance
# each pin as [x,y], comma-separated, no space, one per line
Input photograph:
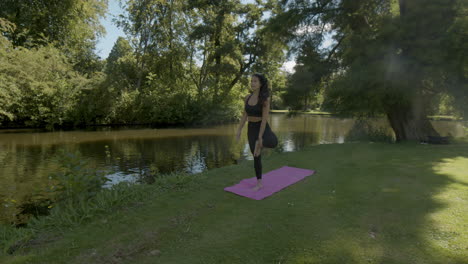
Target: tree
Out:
[121,65]
[422,30]
[232,41]
[156,33]
[198,51]
[10,95]
[387,58]
[71,25]
[38,87]
[305,84]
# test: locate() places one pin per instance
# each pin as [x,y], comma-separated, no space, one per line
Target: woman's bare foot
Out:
[258,186]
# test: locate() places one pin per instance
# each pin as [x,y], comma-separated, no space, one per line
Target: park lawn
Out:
[367,203]
[311,112]
[315,112]
[445,118]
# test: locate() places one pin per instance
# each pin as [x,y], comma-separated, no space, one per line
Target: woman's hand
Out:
[238,134]
[258,147]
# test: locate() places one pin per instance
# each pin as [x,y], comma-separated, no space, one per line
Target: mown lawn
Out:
[312,112]
[367,203]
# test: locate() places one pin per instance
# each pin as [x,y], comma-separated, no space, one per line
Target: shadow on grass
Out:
[383,206]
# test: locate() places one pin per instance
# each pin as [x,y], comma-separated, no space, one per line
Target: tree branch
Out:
[334,49]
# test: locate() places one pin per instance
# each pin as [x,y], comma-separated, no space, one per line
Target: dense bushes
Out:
[37,86]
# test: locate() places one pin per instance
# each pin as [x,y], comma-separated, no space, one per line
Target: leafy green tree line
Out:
[185,62]
[181,62]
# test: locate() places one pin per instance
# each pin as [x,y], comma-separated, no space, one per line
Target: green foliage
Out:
[456,58]
[445,104]
[38,86]
[303,90]
[390,57]
[76,180]
[94,101]
[205,43]
[121,66]
[73,186]
[364,130]
[11,238]
[71,213]
[278,88]
[125,108]
[8,96]
[69,25]
[181,63]
[9,93]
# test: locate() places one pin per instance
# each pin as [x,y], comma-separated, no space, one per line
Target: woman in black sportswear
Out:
[256,111]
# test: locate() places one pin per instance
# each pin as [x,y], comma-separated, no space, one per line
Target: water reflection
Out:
[26,156]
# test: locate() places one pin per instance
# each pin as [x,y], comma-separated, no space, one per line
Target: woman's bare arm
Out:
[265,115]
[243,119]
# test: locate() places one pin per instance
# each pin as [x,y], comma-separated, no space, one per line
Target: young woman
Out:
[256,111]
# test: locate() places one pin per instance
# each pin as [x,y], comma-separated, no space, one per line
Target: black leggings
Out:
[269,141]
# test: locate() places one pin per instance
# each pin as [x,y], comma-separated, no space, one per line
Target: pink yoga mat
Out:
[273,181]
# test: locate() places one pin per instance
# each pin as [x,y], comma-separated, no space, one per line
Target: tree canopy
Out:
[389,57]
[185,62]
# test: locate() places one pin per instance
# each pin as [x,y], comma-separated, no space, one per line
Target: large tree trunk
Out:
[411,122]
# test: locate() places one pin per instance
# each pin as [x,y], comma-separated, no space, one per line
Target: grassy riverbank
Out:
[367,203]
[311,112]
[315,112]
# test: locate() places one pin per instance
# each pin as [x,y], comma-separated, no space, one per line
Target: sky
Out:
[107,41]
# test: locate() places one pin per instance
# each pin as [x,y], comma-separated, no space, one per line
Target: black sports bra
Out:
[253,110]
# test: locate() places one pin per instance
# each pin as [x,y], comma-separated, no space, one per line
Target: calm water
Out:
[26,156]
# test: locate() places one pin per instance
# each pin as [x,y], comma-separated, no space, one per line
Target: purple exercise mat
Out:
[273,181]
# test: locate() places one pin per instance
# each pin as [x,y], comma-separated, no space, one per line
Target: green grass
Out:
[315,112]
[311,112]
[445,118]
[367,203]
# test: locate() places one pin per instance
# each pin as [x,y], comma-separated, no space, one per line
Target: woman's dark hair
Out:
[264,88]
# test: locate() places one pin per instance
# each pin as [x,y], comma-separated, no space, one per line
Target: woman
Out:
[256,111]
